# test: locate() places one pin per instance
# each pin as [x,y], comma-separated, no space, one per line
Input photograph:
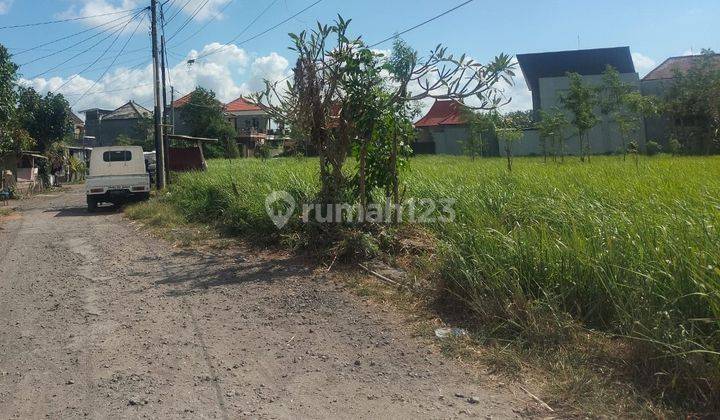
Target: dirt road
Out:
[99,319]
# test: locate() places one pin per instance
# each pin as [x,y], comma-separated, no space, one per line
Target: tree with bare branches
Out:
[341,88]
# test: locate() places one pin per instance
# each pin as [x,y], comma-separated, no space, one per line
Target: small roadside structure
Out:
[24,168]
[187,158]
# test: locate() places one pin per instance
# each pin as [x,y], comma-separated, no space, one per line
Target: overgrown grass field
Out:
[630,249]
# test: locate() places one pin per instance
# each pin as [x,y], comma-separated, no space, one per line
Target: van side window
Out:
[117,156]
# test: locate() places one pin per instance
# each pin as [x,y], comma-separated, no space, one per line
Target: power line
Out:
[188,20]
[106,59]
[56,52]
[261,33]
[97,59]
[206,24]
[421,24]
[178,12]
[164,51]
[111,64]
[104,91]
[118,32]
[406,30]
[39,46]
[25,25]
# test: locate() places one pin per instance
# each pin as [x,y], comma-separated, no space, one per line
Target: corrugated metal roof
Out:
[584,62]
[75,119]
[129,111]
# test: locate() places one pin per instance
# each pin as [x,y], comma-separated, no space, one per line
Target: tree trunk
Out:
[393,164]
[509,157]
[363,159]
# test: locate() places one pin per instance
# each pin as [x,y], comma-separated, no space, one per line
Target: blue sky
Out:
[481,29]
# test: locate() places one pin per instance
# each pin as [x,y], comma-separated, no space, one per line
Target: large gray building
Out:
[442,130]
[106,126]
[546,77]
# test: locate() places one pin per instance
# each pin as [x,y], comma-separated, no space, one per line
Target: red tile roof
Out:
[442,113]
[179,103]
[241,104]
[669,67]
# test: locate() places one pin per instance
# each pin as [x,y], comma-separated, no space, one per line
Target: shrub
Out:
[652,148]
[675,146]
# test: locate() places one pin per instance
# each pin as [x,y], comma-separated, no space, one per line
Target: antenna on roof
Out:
[578,41]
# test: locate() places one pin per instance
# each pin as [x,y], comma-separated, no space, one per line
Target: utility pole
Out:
[159,149]
[166,141]
[172,109]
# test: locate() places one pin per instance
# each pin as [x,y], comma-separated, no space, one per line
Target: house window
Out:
[117,156]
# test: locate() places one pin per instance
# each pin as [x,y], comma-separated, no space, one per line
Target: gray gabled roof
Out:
[129,111]
[585,62]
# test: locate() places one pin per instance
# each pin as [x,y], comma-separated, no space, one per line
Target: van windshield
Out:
[117,156]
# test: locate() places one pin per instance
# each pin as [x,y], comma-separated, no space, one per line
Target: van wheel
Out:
[91,204]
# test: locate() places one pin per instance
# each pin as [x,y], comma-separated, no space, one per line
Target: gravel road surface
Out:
[99,319]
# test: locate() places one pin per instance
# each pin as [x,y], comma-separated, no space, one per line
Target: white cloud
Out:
[210,10]
[518,93]
[112,10]
[5,6]
[643,63]
[102,11]
[273,67]
[229,75]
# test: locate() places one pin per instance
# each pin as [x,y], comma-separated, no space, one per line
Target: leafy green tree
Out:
[8,94]
[205,117]
[623,104]
[693,102]
[580,101]
[675,146]
[552,127]
[481,126]
[520,119]
[9,133]
[510,131]
[389,149]
[46,118]
[636,107]
[612,104]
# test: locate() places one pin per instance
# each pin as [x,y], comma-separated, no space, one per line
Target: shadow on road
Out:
[212,271]
[83,212]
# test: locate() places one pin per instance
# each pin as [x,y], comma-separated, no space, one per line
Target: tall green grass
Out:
[629,249]
[625,248]
[232,194]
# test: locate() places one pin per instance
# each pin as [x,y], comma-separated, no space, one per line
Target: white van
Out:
[117,175]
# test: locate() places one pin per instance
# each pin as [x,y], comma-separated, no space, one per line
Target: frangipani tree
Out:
[340,87]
